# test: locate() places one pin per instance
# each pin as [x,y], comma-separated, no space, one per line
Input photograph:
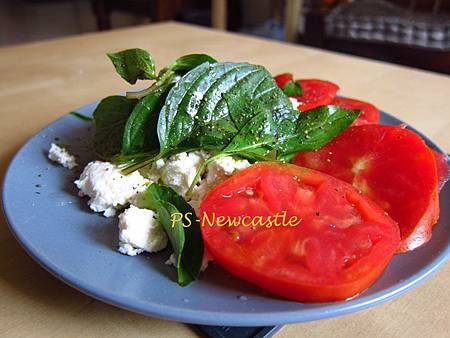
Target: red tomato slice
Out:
[391,165]
[282,79]
[316,93]
[369,113]
[340,247]
[443,171]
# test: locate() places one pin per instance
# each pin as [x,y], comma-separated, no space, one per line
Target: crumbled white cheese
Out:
[62,156]
[153,171]
[172,260]
[159,164]
[128,249]
[198,194]
[295,102]
[179,170]
[140,231]
[224,167]
[108,188]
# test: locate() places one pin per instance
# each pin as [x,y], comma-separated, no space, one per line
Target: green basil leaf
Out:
[140,134]
[190,61]
[172,73]
[110,116]
[260,139]
[314,128]
[196,114]
[133,64]
[81,116]
[257,137]
[185,235]
[292,88]
[256,94]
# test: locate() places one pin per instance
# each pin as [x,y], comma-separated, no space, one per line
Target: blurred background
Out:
[409,32]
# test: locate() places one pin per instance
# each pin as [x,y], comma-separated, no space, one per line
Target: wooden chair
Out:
[156,10]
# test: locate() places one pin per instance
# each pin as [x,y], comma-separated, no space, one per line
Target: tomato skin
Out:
[443,171]
[327,257]
[316,93]
[423,228]
[323,293]
[369,113]
[392,166]
[282,79]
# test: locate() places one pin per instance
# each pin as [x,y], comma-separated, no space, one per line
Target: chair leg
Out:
[165,10]
[292,15]
[219,14]
[102,12]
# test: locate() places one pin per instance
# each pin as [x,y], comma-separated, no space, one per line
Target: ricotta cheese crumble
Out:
[139,228]
[108,188]
[179,170]
[140,231]
[183,167]
[62,156]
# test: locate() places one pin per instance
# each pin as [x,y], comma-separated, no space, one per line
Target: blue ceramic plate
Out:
[79,247]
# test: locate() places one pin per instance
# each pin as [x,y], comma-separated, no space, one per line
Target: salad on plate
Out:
[279,181]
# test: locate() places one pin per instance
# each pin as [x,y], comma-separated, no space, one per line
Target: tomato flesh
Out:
[316,93]
[340,247]
[369,113]
[391,165]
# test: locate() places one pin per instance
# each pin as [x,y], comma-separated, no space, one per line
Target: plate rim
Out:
[193,316]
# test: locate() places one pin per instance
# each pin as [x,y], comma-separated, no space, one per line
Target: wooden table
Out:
[42,81]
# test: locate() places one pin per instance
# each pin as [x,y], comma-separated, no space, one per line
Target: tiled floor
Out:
[25,21]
